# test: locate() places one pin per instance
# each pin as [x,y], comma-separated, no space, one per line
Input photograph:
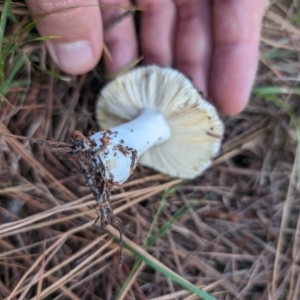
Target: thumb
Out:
[78,26]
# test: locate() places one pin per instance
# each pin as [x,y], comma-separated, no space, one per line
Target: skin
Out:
[214,42]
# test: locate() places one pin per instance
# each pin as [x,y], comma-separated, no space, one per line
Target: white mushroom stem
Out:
[118,149]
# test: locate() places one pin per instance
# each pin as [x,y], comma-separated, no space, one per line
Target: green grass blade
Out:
[180,213]
[137,263]
[20,83]
[129,277]
[296,17]
[164,198]
[52,74]
[10,13]
[151,239]
[9,80]
[274,90]
[40,38]
[3,21]
[275,53]
[170,274]
[28,27]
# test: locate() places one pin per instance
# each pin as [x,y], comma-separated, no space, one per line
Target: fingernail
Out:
[72,57]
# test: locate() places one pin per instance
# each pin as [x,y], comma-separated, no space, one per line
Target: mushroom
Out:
[155,115]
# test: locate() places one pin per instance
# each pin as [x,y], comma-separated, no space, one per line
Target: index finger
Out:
[236,33]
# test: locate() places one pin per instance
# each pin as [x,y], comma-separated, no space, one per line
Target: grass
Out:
[3,21]
[232,233]
[150,240]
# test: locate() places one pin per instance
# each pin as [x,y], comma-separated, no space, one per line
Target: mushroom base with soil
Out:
[119,148]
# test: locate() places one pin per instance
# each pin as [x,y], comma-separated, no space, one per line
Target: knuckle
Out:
[62,11]
[44,7]
[62,16]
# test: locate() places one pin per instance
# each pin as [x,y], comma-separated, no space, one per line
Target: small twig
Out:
[117,20]
[51,143]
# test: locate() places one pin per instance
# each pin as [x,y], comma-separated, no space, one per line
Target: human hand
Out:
[214,42]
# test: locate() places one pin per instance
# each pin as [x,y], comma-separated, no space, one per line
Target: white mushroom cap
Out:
[196,129]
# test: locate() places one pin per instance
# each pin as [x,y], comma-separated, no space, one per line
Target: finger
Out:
[236,35]
[79,46]
[193,40]
[120,39]
[157,31]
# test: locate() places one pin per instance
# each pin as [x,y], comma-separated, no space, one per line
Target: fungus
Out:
[155,115]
